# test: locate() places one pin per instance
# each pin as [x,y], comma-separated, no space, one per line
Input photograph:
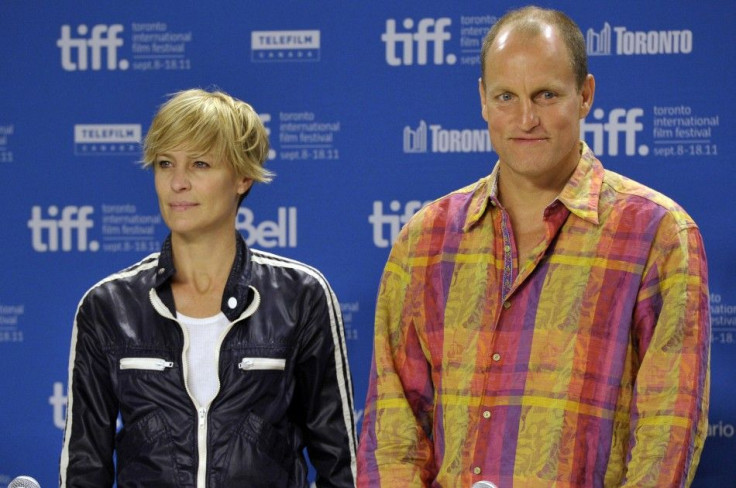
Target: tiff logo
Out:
[58,404]
[47,232]
[620,121]
[415,140]
[81,53]
[599,43]
[428,31]
[391,221]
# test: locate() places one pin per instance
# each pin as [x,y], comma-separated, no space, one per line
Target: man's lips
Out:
[527,139]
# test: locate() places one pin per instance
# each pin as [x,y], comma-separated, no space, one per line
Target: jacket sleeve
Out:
[669,414]
[395,448]
[324,395]
[91,413]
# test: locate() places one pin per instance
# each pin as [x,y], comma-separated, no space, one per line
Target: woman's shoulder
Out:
[285,271]
[139,275]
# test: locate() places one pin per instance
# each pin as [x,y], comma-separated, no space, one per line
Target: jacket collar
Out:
[237,294]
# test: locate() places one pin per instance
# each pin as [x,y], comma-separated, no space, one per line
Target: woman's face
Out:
[197,194]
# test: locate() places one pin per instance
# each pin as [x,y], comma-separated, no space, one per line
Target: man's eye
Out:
[504,97]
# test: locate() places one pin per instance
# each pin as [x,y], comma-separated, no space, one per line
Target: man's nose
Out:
[528,118]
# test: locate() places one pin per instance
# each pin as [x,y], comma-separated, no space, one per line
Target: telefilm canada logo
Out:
[622,41]
[285,46]
[107,139]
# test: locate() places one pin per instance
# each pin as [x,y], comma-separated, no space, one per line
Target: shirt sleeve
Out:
[91,415]
[395,449]
[669,414]
[324,390]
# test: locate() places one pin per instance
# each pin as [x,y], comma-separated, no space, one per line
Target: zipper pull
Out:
[202,417]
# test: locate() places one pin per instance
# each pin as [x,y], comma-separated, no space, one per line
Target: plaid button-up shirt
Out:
[586,366]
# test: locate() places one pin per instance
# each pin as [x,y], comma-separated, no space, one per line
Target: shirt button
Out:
[496,357]
[161,270]
[232,302]
[486,414]
[476,470]
[507,305]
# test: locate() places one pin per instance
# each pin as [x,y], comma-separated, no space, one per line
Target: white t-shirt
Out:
[204,335]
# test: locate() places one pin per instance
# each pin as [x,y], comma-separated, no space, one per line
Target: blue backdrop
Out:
[372,109]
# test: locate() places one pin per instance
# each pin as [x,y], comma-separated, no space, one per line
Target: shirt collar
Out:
[484,194]
[580,194]
[582,191]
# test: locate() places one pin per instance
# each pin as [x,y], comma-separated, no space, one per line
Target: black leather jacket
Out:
[284,383]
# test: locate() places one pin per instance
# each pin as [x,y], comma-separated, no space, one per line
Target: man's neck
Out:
[519,194]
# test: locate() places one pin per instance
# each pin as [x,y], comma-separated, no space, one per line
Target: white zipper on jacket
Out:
[202,411]
[152,364]
[202,445]
[249,364]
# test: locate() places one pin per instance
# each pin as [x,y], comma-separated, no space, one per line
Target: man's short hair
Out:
[530,20]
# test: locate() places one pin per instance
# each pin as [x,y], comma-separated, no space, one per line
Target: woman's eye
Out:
[163,163]
[201,164]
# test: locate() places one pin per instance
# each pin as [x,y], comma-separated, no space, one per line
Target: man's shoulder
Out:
[456,204]
[624,190]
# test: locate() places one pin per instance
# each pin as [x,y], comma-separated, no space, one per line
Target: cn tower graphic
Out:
[599,43]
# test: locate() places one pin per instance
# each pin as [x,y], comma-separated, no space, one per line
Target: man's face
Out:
[533,106]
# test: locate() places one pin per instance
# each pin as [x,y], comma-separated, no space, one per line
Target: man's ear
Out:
[482,93]
[587,92]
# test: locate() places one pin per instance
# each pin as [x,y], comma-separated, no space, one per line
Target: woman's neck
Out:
[202,268]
